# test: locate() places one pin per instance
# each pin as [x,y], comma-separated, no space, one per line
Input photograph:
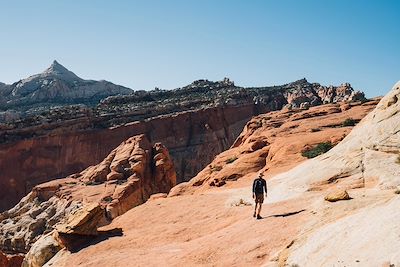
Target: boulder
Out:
[41,252]
[83,221]
[337,196]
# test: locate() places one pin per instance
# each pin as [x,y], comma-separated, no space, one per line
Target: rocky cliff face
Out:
[195,123]
[193,139]
[136,169]
[124,179]
[337,209]
[55,86]
[274,142]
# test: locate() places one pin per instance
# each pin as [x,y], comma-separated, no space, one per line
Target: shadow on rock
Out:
[76,242]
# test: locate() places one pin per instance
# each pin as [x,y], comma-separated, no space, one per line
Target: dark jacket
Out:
[259,185]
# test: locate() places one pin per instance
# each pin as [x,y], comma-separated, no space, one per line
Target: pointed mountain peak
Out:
[56,67]
[58,70]
[56,64]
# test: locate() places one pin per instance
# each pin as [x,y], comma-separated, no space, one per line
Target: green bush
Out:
[319,149]
[349,122]
[215,168]
[230,160]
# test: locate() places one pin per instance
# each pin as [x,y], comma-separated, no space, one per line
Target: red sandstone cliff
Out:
[203,119]
[273,142]
[127,177]
[193,139]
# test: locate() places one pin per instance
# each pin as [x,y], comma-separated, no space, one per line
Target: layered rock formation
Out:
[299,227]
[195,122]
[367,162]
[124,179]
[274,142]
[193,139]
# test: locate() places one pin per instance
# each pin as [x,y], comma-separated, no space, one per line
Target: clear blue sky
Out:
[143,44]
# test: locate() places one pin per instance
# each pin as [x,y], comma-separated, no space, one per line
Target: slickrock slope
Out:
[124,179]
[195,122]
[274,143]
[300,228]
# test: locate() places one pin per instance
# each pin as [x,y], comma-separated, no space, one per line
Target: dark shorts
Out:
[259,198]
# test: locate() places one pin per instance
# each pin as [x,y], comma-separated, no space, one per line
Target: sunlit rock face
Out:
[127,177]
[195,123]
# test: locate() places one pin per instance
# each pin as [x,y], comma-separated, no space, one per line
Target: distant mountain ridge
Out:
[56,86]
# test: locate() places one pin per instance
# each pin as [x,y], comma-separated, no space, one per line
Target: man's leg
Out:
[255,210]
[259,209]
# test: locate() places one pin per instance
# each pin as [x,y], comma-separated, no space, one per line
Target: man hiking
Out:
[259,186]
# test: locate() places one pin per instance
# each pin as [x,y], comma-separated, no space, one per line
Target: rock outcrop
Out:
[80,203]
[193,139]
[299,227]
[337,196]
[365,162]
[367,156]
[274,142]
[42,251]
[195,122]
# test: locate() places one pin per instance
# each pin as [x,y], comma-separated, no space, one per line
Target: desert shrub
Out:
[313,130]
[230,160]
[108,199]
[215,168]
[240,202]
[349,122]
[91,183]
[397,191]
[319,149]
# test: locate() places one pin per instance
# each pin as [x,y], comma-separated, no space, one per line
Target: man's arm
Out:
[265,187]
[254,188]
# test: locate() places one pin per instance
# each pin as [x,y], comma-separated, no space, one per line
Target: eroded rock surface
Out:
[82,202]
[299,227]
[195,122]
[14,260]
[42,251]
[273,142]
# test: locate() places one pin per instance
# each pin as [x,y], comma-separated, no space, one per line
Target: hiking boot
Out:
[259,217]
[254,214]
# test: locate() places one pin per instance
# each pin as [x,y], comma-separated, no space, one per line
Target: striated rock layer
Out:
[274,142]
[299,228]
[195,122]
[127,177]
[193,139]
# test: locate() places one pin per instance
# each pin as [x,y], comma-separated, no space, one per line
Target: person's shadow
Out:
[286,214]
